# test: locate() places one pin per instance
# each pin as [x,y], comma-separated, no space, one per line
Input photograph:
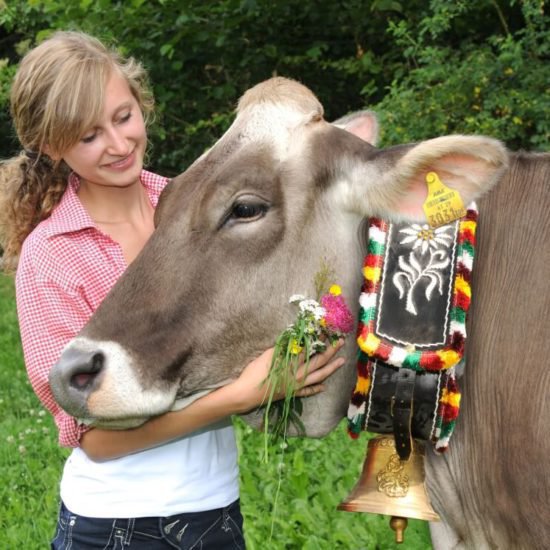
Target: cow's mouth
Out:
[124,423]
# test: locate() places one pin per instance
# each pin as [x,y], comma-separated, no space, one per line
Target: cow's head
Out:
[245,227]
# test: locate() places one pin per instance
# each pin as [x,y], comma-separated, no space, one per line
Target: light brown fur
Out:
[282,90]
[493,485]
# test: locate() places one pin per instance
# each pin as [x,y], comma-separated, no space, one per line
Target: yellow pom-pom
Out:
[449,357]
[450,398]
[462,285]
[335,290]
[370,345]
[372,273]
[362,385]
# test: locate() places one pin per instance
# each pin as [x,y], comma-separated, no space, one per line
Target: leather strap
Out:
[382,400]
[402,412]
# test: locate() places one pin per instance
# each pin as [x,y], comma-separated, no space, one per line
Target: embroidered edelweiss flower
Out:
[426,238]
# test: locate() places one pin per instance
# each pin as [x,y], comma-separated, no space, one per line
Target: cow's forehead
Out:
[271,121]
[275,125]
[284,91]
[270,127]
[271,112]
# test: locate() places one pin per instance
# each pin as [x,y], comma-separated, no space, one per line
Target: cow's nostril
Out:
[81,381]
[84,375]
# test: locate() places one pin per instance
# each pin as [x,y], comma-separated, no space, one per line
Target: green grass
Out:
[316,475]
[30,459]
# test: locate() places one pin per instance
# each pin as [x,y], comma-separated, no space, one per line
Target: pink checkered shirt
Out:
[67,267]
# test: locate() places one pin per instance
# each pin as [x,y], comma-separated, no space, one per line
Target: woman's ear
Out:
[47,150]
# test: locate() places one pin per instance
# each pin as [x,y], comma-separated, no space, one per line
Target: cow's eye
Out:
[248,211]
[244,209]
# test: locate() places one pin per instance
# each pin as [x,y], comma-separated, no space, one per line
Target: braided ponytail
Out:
[30,188]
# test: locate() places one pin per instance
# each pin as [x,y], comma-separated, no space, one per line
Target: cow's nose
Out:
[83,368]
[74,377]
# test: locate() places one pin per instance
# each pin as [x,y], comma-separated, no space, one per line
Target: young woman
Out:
[77,207]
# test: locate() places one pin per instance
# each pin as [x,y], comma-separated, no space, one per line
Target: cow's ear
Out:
[363,124]
[469,164]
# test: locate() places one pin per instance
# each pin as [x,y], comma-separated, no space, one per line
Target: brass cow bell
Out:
[391,486]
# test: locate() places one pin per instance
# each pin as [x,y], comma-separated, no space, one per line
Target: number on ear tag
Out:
[443,205]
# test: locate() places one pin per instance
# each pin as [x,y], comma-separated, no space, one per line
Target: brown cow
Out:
[248,224]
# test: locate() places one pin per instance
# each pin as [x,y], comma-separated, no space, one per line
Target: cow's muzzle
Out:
[74,377]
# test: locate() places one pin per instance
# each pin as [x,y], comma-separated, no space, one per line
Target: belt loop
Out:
[129,531]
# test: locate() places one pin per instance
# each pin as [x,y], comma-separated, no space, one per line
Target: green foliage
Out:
[428,67]
[497,86]
[30,459]
[7,70]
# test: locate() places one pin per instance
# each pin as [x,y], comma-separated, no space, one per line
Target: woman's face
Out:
[111,153]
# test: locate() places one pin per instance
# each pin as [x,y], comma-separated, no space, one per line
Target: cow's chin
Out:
[182,402]
[135,421]
[116,424]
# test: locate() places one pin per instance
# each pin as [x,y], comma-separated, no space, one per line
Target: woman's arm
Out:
[50,314]
[242,395]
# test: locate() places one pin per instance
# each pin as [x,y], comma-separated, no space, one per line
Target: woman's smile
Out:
[123,163]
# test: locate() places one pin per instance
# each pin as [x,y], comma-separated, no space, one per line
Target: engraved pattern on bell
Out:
[383,442]
[391,479]
[366,496]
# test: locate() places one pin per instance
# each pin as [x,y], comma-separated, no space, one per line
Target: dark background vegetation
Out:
[427,67]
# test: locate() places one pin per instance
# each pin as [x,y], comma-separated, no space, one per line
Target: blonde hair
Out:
[56,96]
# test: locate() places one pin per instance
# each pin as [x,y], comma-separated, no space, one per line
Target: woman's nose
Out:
[117,143]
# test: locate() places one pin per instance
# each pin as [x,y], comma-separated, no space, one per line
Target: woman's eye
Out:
[88,138]
[126,117]
[248,211]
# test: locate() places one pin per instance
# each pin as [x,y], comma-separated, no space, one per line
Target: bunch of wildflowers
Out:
[317,325]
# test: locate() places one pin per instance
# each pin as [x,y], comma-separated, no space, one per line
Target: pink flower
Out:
[338,317]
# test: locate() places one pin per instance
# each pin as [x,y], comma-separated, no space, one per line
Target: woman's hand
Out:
[251,389]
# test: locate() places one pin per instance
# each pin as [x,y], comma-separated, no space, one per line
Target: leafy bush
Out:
[428,67]
[499,87]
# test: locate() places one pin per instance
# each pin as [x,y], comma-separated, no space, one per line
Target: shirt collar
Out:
[70,215]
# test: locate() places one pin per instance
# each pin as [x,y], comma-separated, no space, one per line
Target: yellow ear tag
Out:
[443,205]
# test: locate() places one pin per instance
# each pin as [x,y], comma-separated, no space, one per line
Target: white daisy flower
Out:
[313,308]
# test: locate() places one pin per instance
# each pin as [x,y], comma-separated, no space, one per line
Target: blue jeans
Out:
[215,529]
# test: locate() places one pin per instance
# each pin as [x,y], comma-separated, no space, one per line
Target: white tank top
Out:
[192,474]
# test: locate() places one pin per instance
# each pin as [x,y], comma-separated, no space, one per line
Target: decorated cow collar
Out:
[413,306]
